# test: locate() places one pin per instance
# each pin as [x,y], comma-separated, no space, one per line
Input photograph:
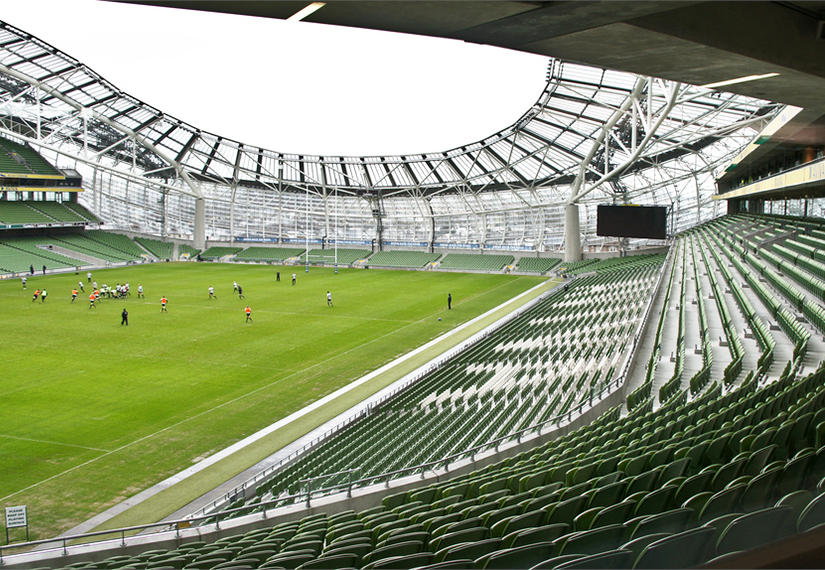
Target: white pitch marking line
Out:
[52,442]
[242,396]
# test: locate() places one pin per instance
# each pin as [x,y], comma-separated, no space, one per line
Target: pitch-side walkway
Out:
[191,487]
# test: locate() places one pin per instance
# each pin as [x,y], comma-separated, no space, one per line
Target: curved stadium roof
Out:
[561,136]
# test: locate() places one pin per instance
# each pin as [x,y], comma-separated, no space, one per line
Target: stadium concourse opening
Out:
[587,399]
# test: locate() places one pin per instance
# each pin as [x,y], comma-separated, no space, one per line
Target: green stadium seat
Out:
[394,550]
[592,541]
[756,529]
[460,563]
[672,521]
[465,535]
[655,501]
[402,562]
[517,522]
[540,533]
[565,511]
[813,515]
[608,559]
[614,514]
[519,557]
[638,544]
[469,550]
[686,549]
[724,501]
[761,489]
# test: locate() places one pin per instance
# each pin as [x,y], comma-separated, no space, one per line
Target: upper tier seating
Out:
[537,264]
[21,159]
[475,261]
[399,258]
[345,256]
[274,254]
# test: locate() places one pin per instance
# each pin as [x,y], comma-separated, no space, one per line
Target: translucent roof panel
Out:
[562,134]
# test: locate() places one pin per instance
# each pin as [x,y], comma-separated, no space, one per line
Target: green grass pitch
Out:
[94,412]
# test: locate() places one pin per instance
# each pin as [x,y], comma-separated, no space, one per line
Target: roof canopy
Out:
[589,128]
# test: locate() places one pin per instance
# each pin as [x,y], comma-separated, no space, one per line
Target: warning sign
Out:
[16,517]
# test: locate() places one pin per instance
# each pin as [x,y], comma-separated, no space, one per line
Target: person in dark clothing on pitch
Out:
[449,301]
[124,317]
[277,276]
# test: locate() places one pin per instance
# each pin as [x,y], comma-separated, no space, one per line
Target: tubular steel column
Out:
[200,224]
[572,233]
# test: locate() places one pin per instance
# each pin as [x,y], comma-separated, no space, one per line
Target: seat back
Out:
[683,550]
[757,528]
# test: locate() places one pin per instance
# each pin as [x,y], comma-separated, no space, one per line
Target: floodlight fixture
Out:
[737,80]
[306,11]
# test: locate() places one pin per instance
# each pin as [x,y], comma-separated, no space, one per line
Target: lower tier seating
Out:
[216,252]
[475,261]
[345,256]
[59,212]
[403,258]
[158,248]
[188,250]
[668,489]
[537,264]
[272,254]
[17,255]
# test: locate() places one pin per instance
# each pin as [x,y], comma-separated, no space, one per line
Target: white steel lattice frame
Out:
[592,136]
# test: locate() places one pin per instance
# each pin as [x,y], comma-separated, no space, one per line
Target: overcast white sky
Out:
[293,86]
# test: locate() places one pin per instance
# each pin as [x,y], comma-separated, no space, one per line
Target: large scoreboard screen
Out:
[632,221]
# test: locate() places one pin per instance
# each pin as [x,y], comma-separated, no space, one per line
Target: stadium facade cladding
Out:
[592,136]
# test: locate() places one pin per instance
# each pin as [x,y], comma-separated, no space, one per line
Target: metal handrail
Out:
[125,532]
